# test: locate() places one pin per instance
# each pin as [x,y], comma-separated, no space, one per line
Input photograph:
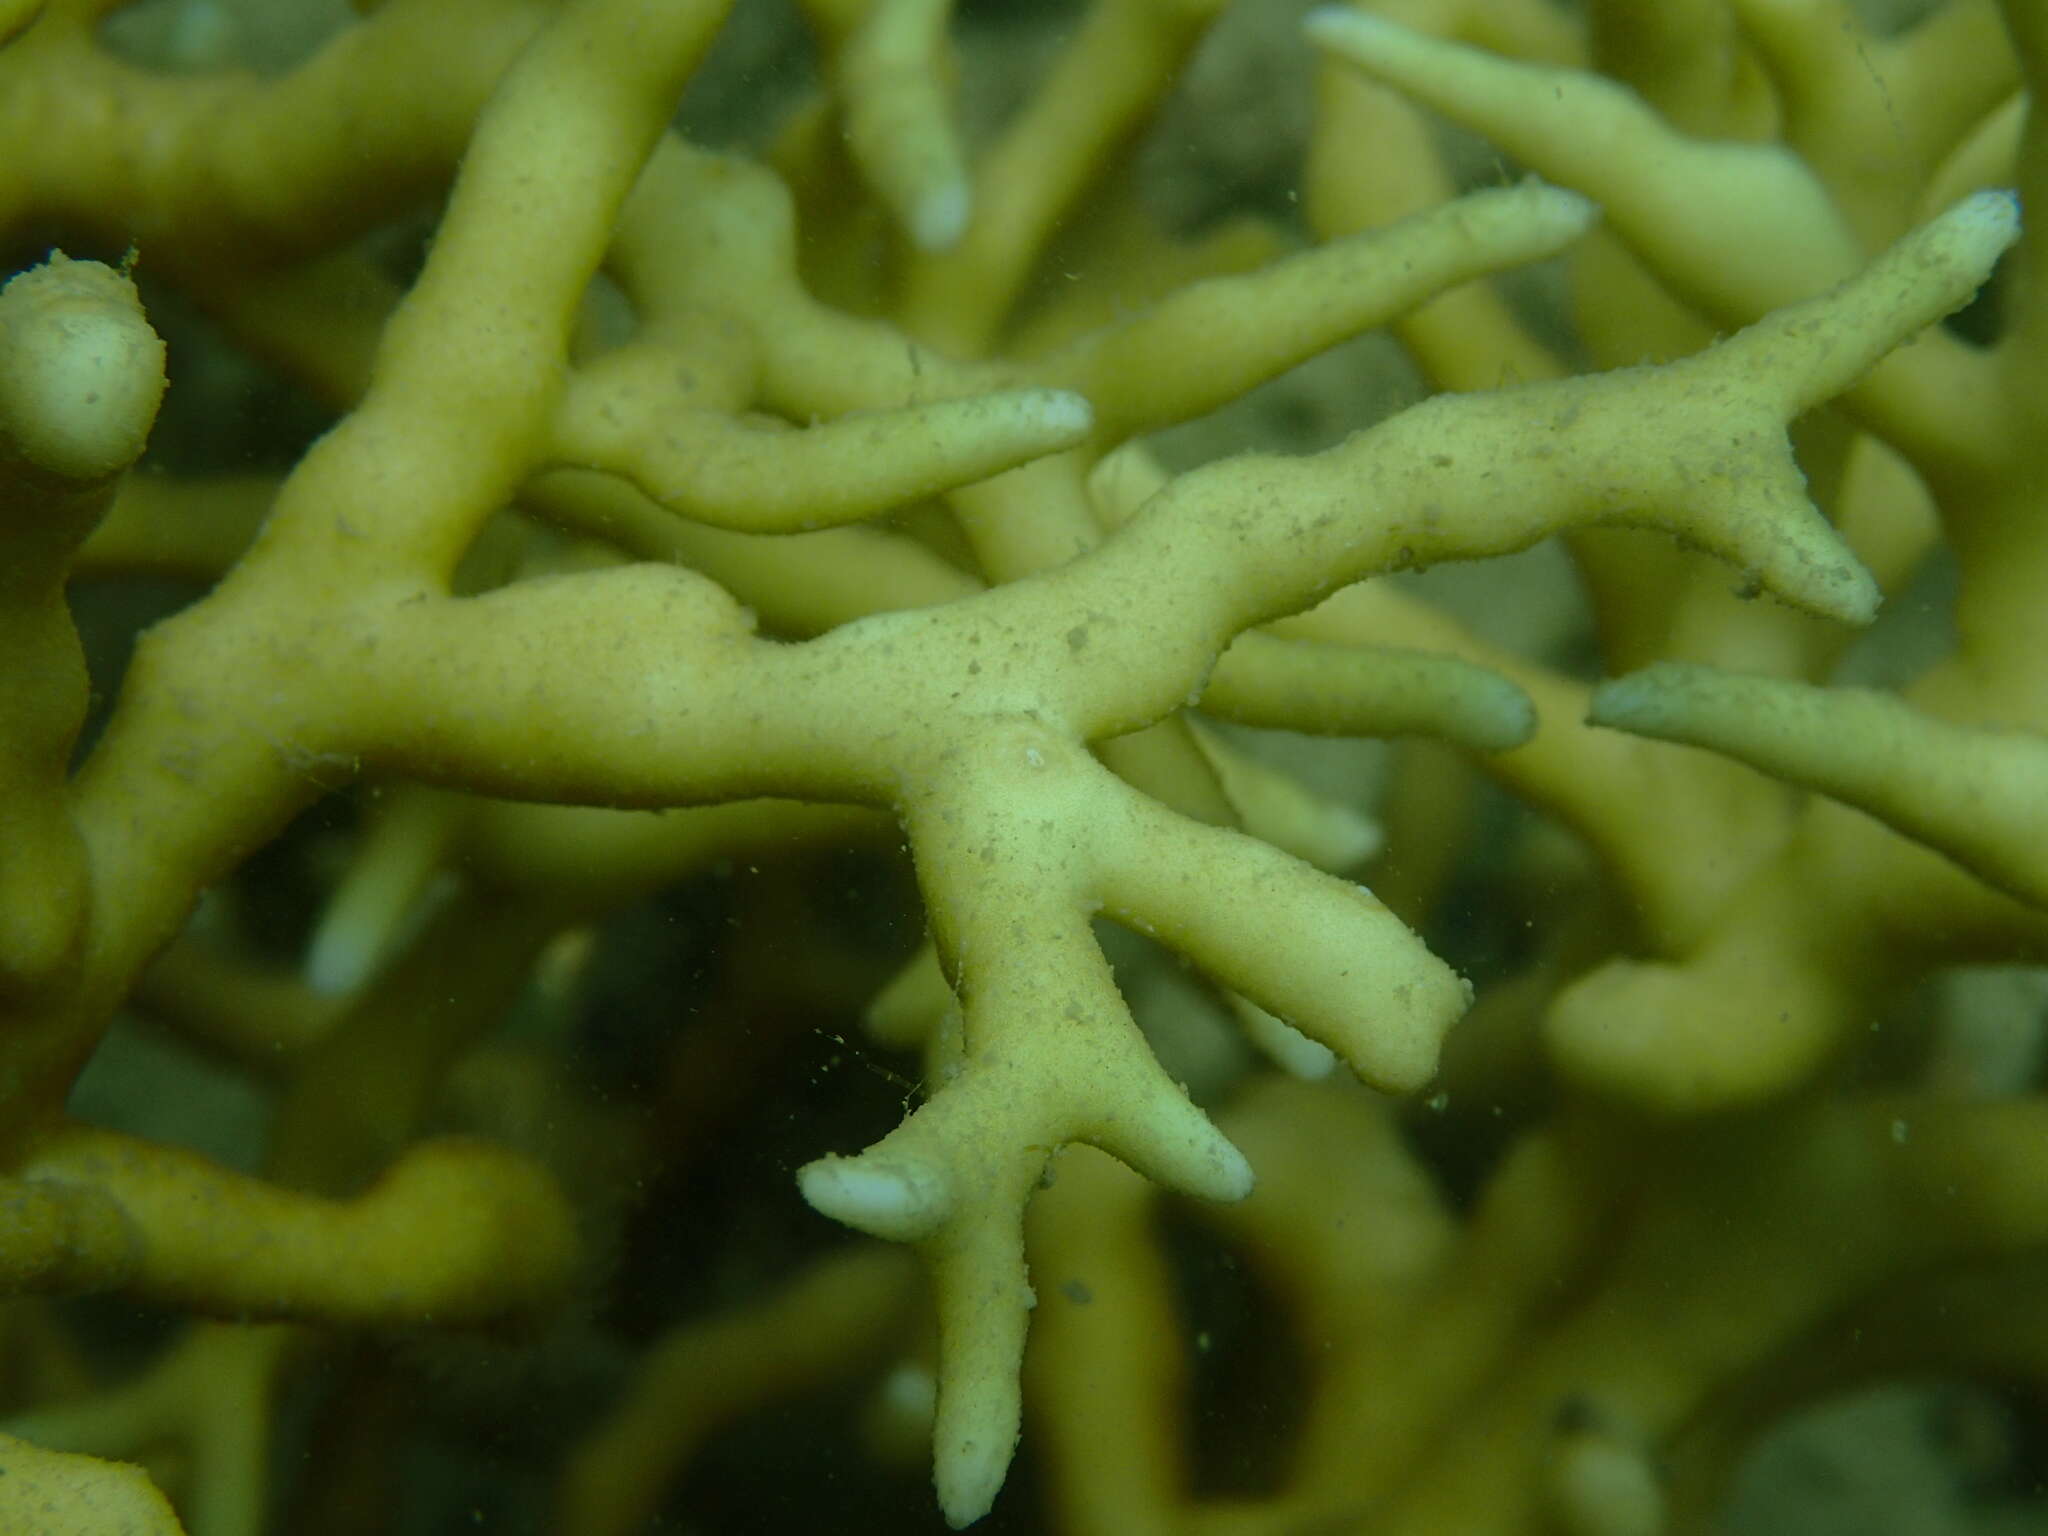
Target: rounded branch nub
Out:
[81,372]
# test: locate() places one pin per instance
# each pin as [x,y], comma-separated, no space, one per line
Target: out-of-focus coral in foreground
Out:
[585,690]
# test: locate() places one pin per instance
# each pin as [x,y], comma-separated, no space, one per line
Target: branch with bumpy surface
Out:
[1021,838]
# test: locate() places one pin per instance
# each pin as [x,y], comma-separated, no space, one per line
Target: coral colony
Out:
[717,546]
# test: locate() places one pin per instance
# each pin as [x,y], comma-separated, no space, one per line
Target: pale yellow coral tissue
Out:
[671,517]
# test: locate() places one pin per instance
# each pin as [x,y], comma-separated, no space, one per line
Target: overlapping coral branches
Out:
[903,556]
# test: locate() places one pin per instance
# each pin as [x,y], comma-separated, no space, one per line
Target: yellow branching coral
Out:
[668,520]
